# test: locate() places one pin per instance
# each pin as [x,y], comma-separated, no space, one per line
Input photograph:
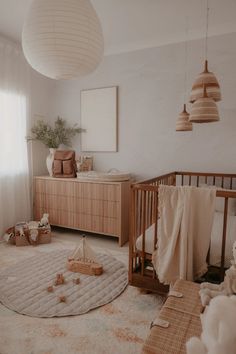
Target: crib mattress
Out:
[216,239]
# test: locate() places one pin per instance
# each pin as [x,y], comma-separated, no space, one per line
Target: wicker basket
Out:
[19,239]
[44,234]
[183,316]
[12,239]
[22,239]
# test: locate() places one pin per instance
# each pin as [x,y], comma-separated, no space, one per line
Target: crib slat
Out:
[208,255]
[143,231]
[156,221]
[231,183]
[190,180]
[133,223]
[222,262]
[136,216]
[222,182]
[197,181]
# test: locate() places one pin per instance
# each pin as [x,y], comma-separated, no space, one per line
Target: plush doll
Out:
[218,328]
[227,287]
[44,220]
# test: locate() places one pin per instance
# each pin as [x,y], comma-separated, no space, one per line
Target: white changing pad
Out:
[216,239]
[112,176]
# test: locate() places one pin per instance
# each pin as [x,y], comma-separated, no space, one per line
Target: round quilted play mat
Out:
[28,287]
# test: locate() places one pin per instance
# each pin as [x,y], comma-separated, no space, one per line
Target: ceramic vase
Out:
[49,160]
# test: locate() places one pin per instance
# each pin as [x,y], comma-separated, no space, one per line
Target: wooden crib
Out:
[144,214]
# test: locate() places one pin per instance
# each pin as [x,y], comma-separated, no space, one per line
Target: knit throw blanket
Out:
[184,231]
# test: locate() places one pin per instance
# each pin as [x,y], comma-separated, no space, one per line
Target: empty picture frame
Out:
[99,119]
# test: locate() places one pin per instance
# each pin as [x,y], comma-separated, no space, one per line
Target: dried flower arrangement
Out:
[52,137]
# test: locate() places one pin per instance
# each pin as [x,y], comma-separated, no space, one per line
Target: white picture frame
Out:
[99,119]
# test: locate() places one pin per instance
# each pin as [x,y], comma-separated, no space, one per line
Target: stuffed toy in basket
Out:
[31,233]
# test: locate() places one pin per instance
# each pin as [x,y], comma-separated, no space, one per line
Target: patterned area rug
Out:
[119,327]
[24,286]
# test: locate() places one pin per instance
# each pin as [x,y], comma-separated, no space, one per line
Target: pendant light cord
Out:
[186,58]
[207,21]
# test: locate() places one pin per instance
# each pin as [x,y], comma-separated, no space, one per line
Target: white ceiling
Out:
[136,24]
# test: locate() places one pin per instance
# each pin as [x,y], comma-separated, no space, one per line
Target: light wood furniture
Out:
[93,206]
[144,213]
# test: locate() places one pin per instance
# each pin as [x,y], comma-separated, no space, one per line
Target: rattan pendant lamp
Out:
[183,124]
[204,110]
[206,78]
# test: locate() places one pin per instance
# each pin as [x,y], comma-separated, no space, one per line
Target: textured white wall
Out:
[151,87]
[42,90]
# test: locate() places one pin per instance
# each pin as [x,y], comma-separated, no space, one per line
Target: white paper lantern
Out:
[62,39]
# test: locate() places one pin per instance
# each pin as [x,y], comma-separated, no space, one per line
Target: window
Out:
[13,151]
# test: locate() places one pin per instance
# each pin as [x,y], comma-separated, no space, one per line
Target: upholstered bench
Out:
[178,320]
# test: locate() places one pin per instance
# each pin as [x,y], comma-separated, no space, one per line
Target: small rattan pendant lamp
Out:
[204,110]
[183,124]
[206,78]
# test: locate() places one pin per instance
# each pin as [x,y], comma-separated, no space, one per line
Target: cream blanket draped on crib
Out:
[184,232]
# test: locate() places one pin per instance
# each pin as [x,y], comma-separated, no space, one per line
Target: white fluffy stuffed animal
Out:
[227,287]
[219,330]
[44,220]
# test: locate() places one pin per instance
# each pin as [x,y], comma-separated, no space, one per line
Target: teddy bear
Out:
[44,220]
[227,287]
[218,328]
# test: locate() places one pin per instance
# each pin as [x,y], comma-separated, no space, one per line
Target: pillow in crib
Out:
[220,201]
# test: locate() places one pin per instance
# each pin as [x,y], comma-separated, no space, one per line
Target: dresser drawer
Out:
[60,188]
[89,206]
[111,192]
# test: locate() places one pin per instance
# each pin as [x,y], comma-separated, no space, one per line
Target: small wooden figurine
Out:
[50,289]
[76,281]
[62,299]
[60,279]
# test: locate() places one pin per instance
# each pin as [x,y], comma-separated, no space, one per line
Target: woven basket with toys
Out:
[31,233]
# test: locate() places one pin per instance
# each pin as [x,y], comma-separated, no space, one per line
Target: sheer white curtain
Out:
[14,108]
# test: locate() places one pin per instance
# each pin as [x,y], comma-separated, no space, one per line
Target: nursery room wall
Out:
[151,95]
[41,106]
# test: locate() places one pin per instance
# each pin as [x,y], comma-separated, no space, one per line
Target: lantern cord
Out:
[207,21]
[186,58]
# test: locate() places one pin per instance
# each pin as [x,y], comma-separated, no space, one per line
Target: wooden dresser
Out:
[93,206]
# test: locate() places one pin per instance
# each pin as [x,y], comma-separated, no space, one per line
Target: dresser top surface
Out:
[79,180]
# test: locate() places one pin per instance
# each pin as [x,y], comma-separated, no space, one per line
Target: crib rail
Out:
[227,181]
[144,216]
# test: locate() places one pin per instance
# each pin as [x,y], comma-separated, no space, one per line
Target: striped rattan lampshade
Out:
[208,79]
[62,39]
[183,124]
[204,110]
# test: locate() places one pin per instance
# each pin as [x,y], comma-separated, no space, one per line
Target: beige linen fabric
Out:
[186,217]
